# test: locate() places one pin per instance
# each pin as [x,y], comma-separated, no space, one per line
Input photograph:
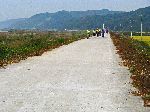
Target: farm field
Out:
[18,45]
[145,39]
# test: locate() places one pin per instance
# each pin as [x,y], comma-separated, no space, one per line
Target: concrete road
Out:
[84,76]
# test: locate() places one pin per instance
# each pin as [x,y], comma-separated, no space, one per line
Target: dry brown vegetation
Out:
[136,56]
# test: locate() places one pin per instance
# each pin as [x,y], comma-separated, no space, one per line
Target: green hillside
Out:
[91,19]
[128,21]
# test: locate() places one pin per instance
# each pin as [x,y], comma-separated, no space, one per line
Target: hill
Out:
[56,20]
[127,21]
[10,22]
[91,19]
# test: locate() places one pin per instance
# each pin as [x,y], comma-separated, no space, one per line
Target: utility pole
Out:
[103,26]
[131,33]
[131,28]
[141,27]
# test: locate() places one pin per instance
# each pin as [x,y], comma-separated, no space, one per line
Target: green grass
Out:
[145,39]
[16,46]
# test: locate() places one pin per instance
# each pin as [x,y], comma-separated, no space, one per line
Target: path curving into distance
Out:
[84,76]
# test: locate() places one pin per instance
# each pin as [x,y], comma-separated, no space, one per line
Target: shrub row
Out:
[136,56]
[15,46]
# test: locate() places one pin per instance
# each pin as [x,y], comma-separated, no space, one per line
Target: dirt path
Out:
[81,77]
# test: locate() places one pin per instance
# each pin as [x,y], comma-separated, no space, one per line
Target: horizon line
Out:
[70,11]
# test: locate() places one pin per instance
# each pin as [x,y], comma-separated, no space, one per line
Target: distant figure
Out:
[94,33]
[103,33]
[98,32]
[88,34]
[107,31]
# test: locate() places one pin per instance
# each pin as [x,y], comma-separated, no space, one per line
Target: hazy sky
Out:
[10,9]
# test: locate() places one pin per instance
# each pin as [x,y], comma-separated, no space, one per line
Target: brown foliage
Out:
[137,58]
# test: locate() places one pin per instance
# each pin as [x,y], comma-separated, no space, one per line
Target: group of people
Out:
[98,32]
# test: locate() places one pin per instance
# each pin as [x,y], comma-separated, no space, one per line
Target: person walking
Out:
[97,32]
[94,33]
[103,33]
[88,34]
[107,31]
[100,32]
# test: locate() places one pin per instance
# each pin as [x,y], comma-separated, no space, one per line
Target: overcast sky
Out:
[10,9]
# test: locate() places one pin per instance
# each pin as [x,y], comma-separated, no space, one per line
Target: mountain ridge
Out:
[90,19]
[37,18]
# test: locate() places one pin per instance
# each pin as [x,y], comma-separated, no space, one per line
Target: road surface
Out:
[84,76]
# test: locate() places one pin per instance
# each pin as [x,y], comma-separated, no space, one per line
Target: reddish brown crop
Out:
[136,56]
